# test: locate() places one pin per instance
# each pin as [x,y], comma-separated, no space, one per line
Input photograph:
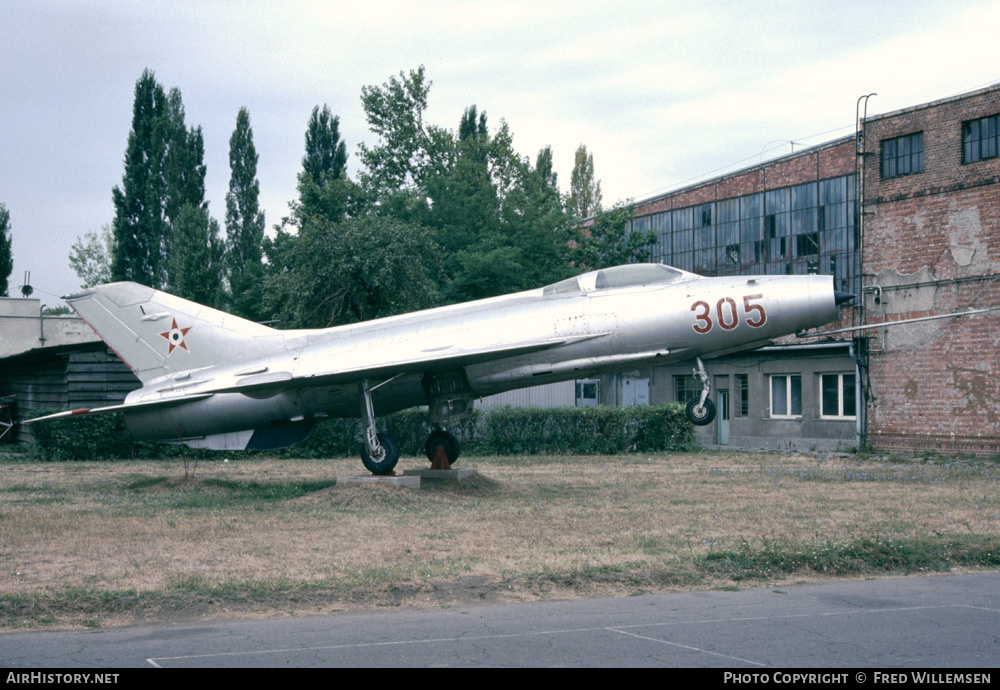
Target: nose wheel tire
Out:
[444,439]
[700,415]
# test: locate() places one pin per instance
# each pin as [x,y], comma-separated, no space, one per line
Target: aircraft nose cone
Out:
[842,297]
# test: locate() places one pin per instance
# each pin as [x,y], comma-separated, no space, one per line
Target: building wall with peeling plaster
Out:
[932,246]
[929,243]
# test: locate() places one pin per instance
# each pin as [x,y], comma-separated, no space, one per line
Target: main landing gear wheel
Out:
[442,439]
[390,456]
[700,415]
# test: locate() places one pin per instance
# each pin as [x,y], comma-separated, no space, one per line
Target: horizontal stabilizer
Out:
[167,402]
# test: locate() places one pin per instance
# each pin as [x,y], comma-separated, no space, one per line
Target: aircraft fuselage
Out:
[481,348]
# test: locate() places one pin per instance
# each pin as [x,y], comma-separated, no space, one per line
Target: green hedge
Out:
[98,437]
[586,430]
[500,431]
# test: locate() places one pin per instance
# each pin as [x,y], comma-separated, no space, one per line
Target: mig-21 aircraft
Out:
[213,380]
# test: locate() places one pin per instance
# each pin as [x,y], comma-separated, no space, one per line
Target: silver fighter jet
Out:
[213,380]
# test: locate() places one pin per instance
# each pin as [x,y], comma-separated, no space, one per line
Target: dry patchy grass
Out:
[103,542]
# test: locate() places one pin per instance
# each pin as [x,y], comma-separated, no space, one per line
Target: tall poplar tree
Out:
[324,190]
[6,254]
[139,227]
[584,190]
[195,265]
[183,163]
[164,172]
[326,154]
[244,223]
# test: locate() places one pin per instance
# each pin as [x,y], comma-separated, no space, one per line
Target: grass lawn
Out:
[100,543]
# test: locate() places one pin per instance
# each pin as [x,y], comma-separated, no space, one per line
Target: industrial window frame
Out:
[741,408]
[792,385]
[977,146]
[588,389]
[685,388]
[807,244]
[903,155]
[764,229]
[841,398]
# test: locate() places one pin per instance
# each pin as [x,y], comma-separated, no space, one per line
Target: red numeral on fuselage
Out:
[726,314]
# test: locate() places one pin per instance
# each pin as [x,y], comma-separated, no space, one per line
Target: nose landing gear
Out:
[379,454]
[701,410]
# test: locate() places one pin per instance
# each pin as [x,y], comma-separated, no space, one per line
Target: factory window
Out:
[685,388]
[741,408]
[838,396]
[807,245]
[980,139]
[790,229]
[706,215]
[588,392]
[760,251]
[903,155]
[786,396]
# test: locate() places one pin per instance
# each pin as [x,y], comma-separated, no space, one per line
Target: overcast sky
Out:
[662,93]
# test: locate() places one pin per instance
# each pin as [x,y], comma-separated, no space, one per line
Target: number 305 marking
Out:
[726,314]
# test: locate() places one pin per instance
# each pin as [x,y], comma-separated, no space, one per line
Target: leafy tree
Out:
[324,189]
[139,226]
[464,206]
[164,171]
[469,128]
[396,168]
[6,254]
[608,241]
[522,238]
[395,114]
[195,268]
[244,223]
[326,154]
[584,190]
[90,257]
[537,219]
[487,269]
[326,197]
[499,223]
[183,164]
[358,269]
[544,171]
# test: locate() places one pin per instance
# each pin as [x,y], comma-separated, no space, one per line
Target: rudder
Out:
[157,334]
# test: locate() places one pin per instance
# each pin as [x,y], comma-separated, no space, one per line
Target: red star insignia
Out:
[175,336]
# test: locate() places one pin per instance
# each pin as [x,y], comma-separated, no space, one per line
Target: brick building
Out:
[906,214]
[931,245]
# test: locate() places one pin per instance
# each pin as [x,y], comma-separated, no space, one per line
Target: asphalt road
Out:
[935,621]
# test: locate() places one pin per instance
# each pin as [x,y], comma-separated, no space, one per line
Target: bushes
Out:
[99,437]
[500,431]
[586,430]
[515,431]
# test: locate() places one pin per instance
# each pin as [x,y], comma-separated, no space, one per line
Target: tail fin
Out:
[157,334]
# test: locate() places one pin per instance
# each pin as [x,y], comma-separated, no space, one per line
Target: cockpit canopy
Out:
[630,275]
